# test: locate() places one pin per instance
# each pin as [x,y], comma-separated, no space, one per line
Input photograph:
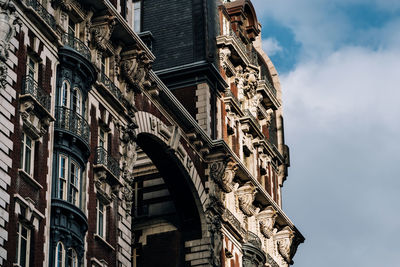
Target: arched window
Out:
[64,94]
[72,258]
[76,104]
[60,255]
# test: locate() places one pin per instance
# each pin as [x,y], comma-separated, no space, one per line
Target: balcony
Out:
[231,39]
[253,254]
[250,124]
[110,91]
[41,18]
[269,94]
[232,104]
[34,108]
[104,161]
[75,44]
[30,88]
[71,122]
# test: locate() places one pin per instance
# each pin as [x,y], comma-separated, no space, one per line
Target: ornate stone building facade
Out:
[140,133]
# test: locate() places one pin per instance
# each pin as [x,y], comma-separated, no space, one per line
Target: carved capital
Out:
[284,239]
[101,30]
[266,219]
[246,195]
[223,172]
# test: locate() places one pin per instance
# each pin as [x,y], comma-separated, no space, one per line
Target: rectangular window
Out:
[101,219]
[102,138]
[104,65]
[73,28]
[136,16]
[27,154]
[32,68]
[74,182]
[62,177]
[23,245]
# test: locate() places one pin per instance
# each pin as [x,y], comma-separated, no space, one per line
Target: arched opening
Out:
[166,210]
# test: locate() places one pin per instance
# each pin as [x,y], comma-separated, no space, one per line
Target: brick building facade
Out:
[140,133]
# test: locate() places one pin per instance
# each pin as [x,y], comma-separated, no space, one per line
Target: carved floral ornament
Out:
[267,219]
[284,240]
[223,172]
[101,30]
[246,82]
[8,22]
[135,68]
[246,196]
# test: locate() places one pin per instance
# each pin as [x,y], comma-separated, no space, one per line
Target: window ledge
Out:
[27,177]
[104,241]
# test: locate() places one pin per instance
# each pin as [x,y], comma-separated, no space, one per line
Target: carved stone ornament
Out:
[35,125]
[254,102]
[214,227]
[266,219]
[135,67]
[65,5]
[246,82]
[284,240]
[8,22]
[223,172]
[246,195]
[127,197]
[101,30]
[129,155]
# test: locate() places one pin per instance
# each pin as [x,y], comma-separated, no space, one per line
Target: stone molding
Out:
[135,67]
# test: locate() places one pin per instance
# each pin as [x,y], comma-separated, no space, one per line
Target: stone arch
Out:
[170,136]
[161,144]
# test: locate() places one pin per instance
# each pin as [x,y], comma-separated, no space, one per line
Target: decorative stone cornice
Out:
[135,68]
[266,219]
[8,22]
[101,30]
[284,240]
[246,195]
[223,172]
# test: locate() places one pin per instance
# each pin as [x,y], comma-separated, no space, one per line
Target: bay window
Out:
[69,180]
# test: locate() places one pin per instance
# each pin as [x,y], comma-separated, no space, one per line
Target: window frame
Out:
[76,100]
[73,257]
[18,253]
[34,69]
[101,231]
[72,182]
[56,259]
[136,27]
[24,147]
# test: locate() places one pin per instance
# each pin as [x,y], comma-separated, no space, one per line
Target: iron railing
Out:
[270,86]
[70,121]
[43,13]
[31,87]
[252,118]
[111,86]
[104,158]
[253,239]
[240,43]
[253,57]
[71,41]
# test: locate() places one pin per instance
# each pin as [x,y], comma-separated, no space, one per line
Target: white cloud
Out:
[271,46]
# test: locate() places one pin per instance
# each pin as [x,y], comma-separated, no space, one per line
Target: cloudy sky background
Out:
[339,65]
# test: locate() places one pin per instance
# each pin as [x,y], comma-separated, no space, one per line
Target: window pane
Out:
[27,168]
[136,16]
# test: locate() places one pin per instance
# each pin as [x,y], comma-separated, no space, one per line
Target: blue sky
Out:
[339,65]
